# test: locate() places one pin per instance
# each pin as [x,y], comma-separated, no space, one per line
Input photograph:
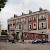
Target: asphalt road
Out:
[23,46]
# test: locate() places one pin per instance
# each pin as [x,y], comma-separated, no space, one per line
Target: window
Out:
[43,36]
[30,18]
[36,36]
[23,19]
[45,25]
[34,18]
[42,17]
[30,26]
[19,26]
[34,26]
[26,35]
[42,25]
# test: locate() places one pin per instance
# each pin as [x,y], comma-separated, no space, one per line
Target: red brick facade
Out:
[49,21]
[31,36]
[41,20]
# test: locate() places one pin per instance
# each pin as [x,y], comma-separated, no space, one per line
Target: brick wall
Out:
[49,21]
[31,36]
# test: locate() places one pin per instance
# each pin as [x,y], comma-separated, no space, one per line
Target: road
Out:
[21,46]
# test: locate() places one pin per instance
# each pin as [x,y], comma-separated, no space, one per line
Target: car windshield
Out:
[36,40]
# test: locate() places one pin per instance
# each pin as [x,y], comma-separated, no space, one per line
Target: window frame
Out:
[30,27]
[34,26]
[30,18]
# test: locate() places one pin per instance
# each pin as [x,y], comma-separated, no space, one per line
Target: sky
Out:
[18,6]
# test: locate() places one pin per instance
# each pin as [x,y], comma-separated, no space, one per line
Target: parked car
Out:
[44,41]
[48,41]
[36,41]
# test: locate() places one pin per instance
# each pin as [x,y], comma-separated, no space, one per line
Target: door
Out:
[17,36]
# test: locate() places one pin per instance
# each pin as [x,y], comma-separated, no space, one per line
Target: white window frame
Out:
[40,16]
[34,17]
[44,25]
[34,27]
[29,26]
[23,20]
[30,18]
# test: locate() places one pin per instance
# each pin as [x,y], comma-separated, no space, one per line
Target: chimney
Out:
[22,13]
[40,9]
[15,15]
[30,11]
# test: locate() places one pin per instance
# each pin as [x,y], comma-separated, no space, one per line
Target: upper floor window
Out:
[34,18]
[42,17]
[34,26]
[18,20]
[30,26]
[42,25]
[30,18]
[19,26]
[10,22]
[23,19]
[11,28]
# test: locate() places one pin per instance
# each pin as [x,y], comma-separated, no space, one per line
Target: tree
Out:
[2,3]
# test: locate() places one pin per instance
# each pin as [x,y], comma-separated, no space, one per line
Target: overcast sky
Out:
[18,6]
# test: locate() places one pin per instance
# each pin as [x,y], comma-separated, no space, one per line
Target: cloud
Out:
[18,6]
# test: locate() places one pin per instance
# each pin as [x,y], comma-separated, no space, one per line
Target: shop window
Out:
[25,35]
[43,36]
[36,36]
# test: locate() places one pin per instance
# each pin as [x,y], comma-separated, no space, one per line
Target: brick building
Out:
[34,25]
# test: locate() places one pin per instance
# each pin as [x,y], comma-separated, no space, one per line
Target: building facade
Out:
[34,25]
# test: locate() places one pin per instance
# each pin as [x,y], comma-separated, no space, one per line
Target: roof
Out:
[30,13]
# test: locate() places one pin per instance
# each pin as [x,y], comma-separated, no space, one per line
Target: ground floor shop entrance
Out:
[34,36]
